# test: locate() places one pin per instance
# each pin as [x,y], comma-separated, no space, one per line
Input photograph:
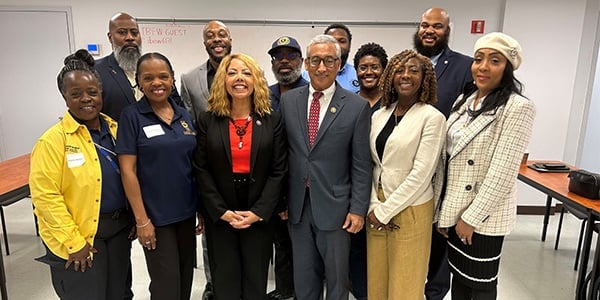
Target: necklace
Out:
[240,130]
[165,117]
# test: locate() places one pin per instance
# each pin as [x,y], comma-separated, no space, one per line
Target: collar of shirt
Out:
[434,59]
[324,100]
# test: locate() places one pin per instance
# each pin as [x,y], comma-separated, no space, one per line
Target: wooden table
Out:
[14,186]
[556,185]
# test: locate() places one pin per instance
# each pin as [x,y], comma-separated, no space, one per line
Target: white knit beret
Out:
[504,44]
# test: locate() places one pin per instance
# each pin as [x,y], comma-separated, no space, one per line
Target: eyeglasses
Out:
[315,61]
[289,56]
[373,67]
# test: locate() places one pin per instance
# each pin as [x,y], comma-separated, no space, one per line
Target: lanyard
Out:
[110,155]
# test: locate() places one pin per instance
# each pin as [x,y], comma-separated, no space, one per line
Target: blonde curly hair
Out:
[219,101]
[428,89]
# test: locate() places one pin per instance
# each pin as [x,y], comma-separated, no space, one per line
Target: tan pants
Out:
[397,261]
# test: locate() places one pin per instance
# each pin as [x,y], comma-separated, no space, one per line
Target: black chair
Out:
[579,214]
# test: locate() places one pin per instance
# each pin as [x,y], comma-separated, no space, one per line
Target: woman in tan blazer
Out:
[488,131]
[407,135]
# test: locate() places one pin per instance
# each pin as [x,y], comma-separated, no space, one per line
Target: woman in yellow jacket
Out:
[77,192]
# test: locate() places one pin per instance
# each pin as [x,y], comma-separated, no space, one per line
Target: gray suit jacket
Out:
[195,90]
[338,166]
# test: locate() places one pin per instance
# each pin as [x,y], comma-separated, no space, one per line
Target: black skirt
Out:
[476,265]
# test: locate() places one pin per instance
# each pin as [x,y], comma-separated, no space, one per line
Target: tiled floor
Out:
[530,269]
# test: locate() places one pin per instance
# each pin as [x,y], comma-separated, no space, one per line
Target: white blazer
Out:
[483,167]
[409,159]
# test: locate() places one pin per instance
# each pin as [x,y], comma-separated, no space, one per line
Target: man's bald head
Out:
[433,33]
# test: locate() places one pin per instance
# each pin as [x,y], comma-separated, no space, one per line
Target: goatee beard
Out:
[429,51]
[290,78]
[127,58]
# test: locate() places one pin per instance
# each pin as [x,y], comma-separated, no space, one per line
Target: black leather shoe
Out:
[274,295]
[208,292]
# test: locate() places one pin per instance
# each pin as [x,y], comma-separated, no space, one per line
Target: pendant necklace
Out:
[240,130]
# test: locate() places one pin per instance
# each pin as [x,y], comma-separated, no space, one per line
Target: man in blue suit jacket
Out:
[453,72]
[117,70]
[329,176]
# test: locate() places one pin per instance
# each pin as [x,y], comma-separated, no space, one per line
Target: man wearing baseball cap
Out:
[286,63]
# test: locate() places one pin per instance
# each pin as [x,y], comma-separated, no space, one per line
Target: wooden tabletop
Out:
[555,184]
[14,173]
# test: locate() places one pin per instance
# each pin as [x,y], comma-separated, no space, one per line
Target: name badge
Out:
[153,130]
[75,160]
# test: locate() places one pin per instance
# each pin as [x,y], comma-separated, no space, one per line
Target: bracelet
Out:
[142,226]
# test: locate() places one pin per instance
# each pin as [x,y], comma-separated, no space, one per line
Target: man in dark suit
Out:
[329,173]
[453,72]
[286,64]
[117,70]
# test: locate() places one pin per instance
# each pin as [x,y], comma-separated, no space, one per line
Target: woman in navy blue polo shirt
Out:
[241,162]
[156,142]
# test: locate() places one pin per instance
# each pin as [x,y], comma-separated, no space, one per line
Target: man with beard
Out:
[346,75]
[195,85]
[117,70]
[195,89]
[286,63]
[453,72]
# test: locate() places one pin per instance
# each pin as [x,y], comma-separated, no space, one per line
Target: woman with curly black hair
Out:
[407,135]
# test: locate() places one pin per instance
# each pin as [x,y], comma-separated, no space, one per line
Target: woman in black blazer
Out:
[240,162]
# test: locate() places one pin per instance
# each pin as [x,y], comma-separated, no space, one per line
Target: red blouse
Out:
[240,145]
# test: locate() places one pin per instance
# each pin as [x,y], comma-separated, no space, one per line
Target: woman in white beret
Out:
[488,131]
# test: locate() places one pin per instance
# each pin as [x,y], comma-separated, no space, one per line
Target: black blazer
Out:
[453,72]
[213,167]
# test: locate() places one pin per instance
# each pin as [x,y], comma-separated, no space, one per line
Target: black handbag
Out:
[584,183]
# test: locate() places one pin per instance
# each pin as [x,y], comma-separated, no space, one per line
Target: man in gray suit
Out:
[329,173]
[195,89]
[195,85]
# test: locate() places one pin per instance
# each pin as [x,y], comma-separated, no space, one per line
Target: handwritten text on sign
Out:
[162,33]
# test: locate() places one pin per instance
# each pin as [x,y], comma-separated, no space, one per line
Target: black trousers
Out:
[284,270]
[239,260]
[171,264]
[107,278]
[358,264]
[438,277]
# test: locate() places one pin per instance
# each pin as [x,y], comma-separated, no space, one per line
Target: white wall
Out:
[557,36]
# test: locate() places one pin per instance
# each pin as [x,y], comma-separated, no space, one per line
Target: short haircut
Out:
[339,26]
[374,50]
[324,39]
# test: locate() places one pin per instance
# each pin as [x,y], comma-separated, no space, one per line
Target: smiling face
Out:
[322,76]
[217,40]
[239,81]
[407,80]
[286,64]
[368,71]
[83,96]
[155,78]
[433,33]
[488,68]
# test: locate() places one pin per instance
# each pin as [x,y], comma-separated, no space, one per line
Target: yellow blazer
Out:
[409,159]
[483,167]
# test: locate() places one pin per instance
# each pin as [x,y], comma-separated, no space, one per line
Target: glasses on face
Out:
[315,61]
[289,56]
[373,67]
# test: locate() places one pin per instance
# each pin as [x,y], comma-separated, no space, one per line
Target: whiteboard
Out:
[183,43]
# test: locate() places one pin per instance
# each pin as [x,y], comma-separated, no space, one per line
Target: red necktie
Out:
[313,118]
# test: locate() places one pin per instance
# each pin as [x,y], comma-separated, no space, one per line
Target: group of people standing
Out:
[357,177]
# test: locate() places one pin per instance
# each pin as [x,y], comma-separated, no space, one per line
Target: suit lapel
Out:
[334,109]
[257,132]
[302,108]
[202,80]
[224,133]
[472,130]
[119,76]
[442,64]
